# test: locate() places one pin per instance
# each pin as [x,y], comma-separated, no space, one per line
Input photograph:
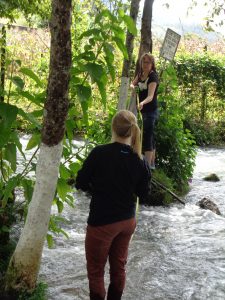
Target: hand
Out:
[140,106]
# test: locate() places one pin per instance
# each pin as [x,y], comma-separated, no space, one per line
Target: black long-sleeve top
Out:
[114,175]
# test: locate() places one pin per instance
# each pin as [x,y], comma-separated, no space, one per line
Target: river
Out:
[176,252]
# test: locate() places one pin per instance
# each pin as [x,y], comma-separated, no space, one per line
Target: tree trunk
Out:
[25,263]
[125,79]
[146,41]
[3,50]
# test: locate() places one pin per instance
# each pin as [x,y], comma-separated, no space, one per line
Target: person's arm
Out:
[83,179]
[144,187]
[151,90]
[134,82]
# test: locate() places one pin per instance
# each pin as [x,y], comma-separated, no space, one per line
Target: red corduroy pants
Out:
[108,242]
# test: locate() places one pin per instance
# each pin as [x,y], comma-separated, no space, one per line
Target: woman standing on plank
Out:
[146,82]
[114,174]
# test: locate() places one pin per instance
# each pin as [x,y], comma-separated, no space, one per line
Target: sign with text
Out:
[170,44]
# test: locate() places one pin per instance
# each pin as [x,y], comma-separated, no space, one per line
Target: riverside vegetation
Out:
[191,98]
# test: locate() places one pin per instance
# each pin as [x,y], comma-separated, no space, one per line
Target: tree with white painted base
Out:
[25,263]
[145,44]
[125,79]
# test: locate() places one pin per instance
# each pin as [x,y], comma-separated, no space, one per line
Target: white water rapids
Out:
[176,252]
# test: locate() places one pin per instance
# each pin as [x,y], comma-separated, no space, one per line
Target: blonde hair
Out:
[124,124]
[151,58]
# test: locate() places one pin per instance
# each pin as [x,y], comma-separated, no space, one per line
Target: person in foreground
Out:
[114,174]
[147,84]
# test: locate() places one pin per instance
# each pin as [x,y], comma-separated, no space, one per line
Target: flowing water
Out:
[176,252]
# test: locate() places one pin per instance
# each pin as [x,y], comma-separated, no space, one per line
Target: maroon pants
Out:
[103,242]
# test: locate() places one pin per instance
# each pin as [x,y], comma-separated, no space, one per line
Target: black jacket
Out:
[114,175]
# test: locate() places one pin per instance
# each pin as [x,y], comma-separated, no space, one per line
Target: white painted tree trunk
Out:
[146,42]
[133,104]
[27,256]
[124,86]
[24,265]
[123,102]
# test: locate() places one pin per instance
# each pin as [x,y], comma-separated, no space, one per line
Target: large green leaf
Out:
[63,188]
[121,46]
[118,32]
[14,138]
[83,92]
[28,187]
[109,58]
[18,82]
[90,32]
[29,117]
[75,167]
[102,90]
[60,206]
[105,13]
[70,125]
[9,187]
[95,70]
[36,99]
[32,75]
[10,155]
[130,24]
[34,141]
[64,172]
[8,115]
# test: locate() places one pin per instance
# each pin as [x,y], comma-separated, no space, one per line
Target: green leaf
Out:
[75,167]
[70,125]
[8,115]
[18,82]
[15,139]
[60,206]
[28,187]
[37,113]
[70,200]
[10,185]
[83,92]
[91,32]
[63,188]
[10,155]
[109,58]
[95,70]
[130,24]
[109,15]
[32,75]
[50,240]
[121,13]
[29,117]
[34,141]
[34,99]
[102,91]
[64,172]
[119,32]
[121,46]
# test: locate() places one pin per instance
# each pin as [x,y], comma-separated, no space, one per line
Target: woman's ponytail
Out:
[124,124]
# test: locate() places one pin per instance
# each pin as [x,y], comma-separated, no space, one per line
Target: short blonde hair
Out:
[124,124]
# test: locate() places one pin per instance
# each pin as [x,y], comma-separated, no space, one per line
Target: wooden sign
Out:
[170,44]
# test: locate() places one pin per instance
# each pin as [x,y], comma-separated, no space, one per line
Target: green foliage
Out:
[39,293]
[158,193]
[175,145]
[202,91]
[13,8]
[93,61]
[99,129]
